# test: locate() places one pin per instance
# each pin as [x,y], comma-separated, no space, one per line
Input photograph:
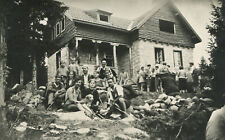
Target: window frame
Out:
[63,22]
[167,22]
[181,57]
[57,24]
[104,16]
[163,55]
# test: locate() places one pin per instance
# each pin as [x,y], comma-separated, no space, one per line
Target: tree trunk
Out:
[2,87]
[34,72]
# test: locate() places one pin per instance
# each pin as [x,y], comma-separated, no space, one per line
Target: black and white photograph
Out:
[112,70]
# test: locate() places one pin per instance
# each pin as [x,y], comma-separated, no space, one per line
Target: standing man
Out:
[74,67]
[103,70]
[117,97]
[62,72]
[86,77]
[123,79]
[148,77]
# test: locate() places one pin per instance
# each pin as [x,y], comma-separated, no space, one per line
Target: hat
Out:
[42,88]
[149,65]
[84,66]
[164,63]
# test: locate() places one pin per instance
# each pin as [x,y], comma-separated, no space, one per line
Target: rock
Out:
[83,131]
[52,126]
[163,96]
[178,96]
[174,108]
[195,99]
[156,105]
[27,97]
[145,107]
[207,100]
[173,102]
[134,132]
[189,100]
[69,116]
[159,101]
[163,106]
[62,127]
[103,135]
[167,101]
[21,128]
[128,119]
[122,137]
[150,101]
[54,132]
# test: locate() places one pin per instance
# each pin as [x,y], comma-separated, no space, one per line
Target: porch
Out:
[90,53]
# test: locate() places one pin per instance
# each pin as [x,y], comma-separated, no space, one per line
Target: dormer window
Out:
[104,18]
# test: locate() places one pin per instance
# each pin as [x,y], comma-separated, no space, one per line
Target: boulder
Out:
[163,96]
[163,106]
[82,131]
[122,137]
[134,132]
[150,101]
[174,108]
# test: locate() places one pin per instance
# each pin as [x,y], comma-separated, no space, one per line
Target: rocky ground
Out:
[152,116]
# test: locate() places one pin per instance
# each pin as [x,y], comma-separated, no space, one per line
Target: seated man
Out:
[117,97]
[73,96]
[56,93]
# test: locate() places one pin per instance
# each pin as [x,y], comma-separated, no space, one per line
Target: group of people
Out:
[149,78]
[75,90]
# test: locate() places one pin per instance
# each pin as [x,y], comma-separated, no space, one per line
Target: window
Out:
[104,18]
[177,57]
[63,24]
[57,29]
[166,26]
[159,55]
[58,59]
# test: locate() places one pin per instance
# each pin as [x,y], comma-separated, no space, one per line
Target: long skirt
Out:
[182,84]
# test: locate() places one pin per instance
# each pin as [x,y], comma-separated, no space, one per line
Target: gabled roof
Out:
[122,24]
[82,16]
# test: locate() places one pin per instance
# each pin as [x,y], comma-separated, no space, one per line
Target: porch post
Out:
[130,59]
[96,45]
[115,56]
[76,45]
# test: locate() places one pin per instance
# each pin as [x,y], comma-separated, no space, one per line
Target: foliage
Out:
[185,124]
[217,49]
[29,22]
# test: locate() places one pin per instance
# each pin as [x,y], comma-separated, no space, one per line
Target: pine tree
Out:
[217,50]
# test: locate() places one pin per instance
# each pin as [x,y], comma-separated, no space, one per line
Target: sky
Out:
[197,13]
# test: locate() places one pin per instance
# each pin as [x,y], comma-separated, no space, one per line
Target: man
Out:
[103,69]
[215,129]
[117,97]
[73,94]
[56,93]
[86,77]
[148,77]
[74,67]
[123,77]
[62,72]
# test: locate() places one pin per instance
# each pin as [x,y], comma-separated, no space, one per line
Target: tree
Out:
[217,50]
[29,24]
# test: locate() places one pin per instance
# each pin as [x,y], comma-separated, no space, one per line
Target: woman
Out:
[142,78]
[182,76]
